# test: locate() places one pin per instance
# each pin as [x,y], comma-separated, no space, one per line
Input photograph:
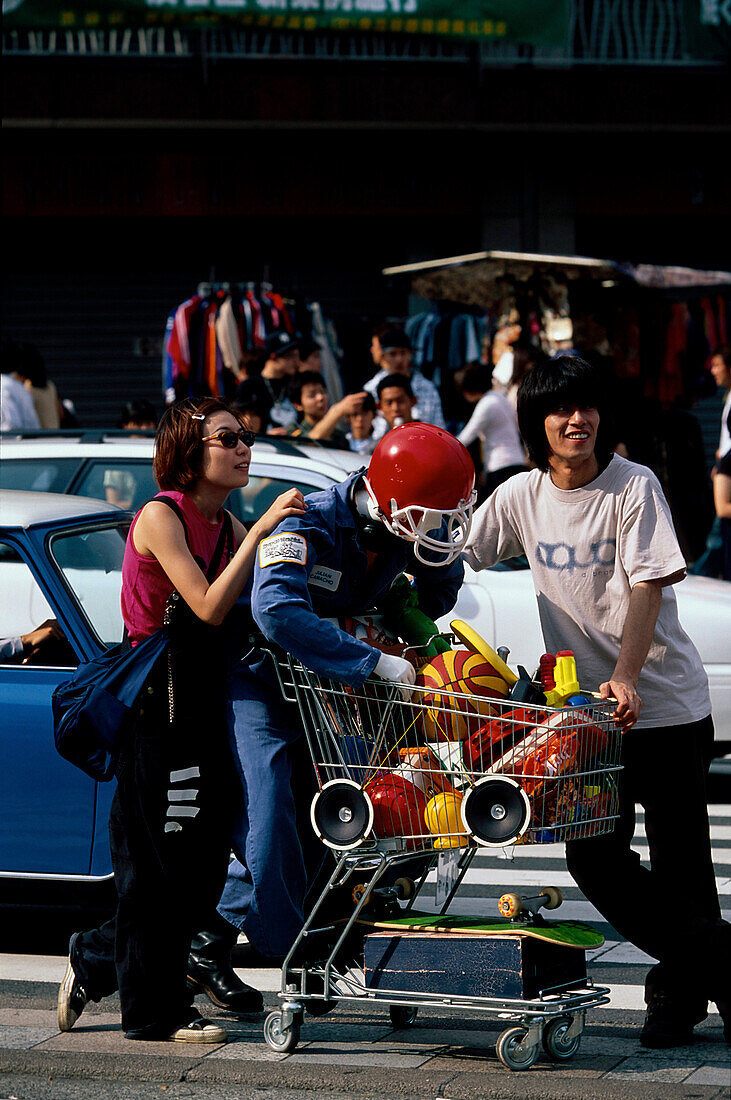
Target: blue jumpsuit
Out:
[312,565]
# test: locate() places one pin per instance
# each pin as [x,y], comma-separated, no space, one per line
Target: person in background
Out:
[493,423]
[252,400]
[25,647]
[17,410]
[710,563]
[396,401]
[317,418]
[722,502]
[395,359]
[280,367]
[172,815]
[310,356]
[361,437]
[525,357]
[138,415]
[599,538]
[32,371]
[720,367]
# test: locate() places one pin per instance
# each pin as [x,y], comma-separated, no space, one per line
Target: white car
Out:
[499,603]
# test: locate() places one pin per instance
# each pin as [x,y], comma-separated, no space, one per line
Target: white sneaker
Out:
[199,1030]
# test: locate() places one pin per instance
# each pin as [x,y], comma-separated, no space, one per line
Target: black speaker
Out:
[496,811]
[341,814]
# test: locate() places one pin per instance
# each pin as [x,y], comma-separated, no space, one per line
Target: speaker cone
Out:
[341,814]
[496,811]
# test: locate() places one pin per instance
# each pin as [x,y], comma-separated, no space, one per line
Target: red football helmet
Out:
[419,477]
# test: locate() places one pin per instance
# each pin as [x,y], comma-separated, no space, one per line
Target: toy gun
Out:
[403,617]
[560,680]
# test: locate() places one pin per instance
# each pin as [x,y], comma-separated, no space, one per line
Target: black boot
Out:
[210,972]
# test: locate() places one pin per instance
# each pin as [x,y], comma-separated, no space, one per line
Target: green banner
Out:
[534,22]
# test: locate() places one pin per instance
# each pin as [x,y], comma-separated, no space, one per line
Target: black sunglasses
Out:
[229,439]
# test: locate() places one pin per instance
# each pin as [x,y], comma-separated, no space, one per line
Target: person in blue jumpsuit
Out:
[409,513]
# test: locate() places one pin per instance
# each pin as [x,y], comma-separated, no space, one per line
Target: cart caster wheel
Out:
[510,905]
[403,1015]
[511,1050]
[556,1045]
[405,888]
[553,896]
[283,1040]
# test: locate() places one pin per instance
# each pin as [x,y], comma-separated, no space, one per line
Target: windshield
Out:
[91,562]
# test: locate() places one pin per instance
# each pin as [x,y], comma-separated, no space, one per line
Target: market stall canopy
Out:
[477,279]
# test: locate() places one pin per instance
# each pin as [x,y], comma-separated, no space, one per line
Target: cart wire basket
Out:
[443,769]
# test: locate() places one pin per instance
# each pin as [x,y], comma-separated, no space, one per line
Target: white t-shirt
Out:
[493,422]
[587,548]
[724,442]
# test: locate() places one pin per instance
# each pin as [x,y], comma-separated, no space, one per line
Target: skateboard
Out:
[568,933]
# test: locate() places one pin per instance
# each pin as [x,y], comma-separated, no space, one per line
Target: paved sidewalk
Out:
[450,1056]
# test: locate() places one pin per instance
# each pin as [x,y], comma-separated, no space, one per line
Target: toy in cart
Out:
[409,790]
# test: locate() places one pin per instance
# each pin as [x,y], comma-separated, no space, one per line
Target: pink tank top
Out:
[145,586]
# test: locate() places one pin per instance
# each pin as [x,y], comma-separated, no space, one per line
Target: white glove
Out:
[398,671]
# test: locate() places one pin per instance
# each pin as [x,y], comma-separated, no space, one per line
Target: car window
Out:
[41,475]
[91,562]
[26,614]
[250,503]
[128,484]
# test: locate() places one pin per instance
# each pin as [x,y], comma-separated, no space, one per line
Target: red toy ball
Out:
[398,808]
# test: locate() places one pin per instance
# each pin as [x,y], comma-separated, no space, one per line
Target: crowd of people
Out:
[548,474]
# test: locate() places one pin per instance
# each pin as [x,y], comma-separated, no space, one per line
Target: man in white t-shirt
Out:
[721,371]
[597,532]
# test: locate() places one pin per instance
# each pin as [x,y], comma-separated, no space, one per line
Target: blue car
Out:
[60,564]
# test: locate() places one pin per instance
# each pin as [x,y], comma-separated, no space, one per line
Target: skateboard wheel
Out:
[553,897]
[341,814]
[557,1046]
[281,1039]
[513,1051]
[405,888]
[402,1015]
[359,891]
[510,905]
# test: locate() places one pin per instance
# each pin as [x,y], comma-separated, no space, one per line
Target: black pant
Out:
[671,911]
[170,831]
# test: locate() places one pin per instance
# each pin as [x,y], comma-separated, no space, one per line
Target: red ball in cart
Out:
[445,717]
[398,808]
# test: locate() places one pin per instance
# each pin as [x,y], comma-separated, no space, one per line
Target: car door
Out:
[47,806]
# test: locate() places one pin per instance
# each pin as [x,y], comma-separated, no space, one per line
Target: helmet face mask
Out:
[420,483]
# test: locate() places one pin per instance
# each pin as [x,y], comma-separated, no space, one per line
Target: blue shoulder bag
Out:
[93,707]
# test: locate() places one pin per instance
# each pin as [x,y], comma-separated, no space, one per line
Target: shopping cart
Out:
[411,789]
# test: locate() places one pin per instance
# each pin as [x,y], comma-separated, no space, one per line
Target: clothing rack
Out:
[214,338]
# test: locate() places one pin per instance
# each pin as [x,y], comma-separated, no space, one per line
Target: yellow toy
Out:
[443,818]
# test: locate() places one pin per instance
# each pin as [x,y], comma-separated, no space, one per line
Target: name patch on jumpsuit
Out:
[322,577]
[285,547]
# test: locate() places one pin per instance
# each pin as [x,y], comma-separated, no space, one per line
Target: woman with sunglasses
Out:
[186,564]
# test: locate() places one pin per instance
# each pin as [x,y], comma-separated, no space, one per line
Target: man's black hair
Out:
[304,378]
[137,412]
[368,404]
[400,381]
[562,380]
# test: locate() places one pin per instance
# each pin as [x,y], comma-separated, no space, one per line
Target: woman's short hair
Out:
[178,448]
[562,380]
